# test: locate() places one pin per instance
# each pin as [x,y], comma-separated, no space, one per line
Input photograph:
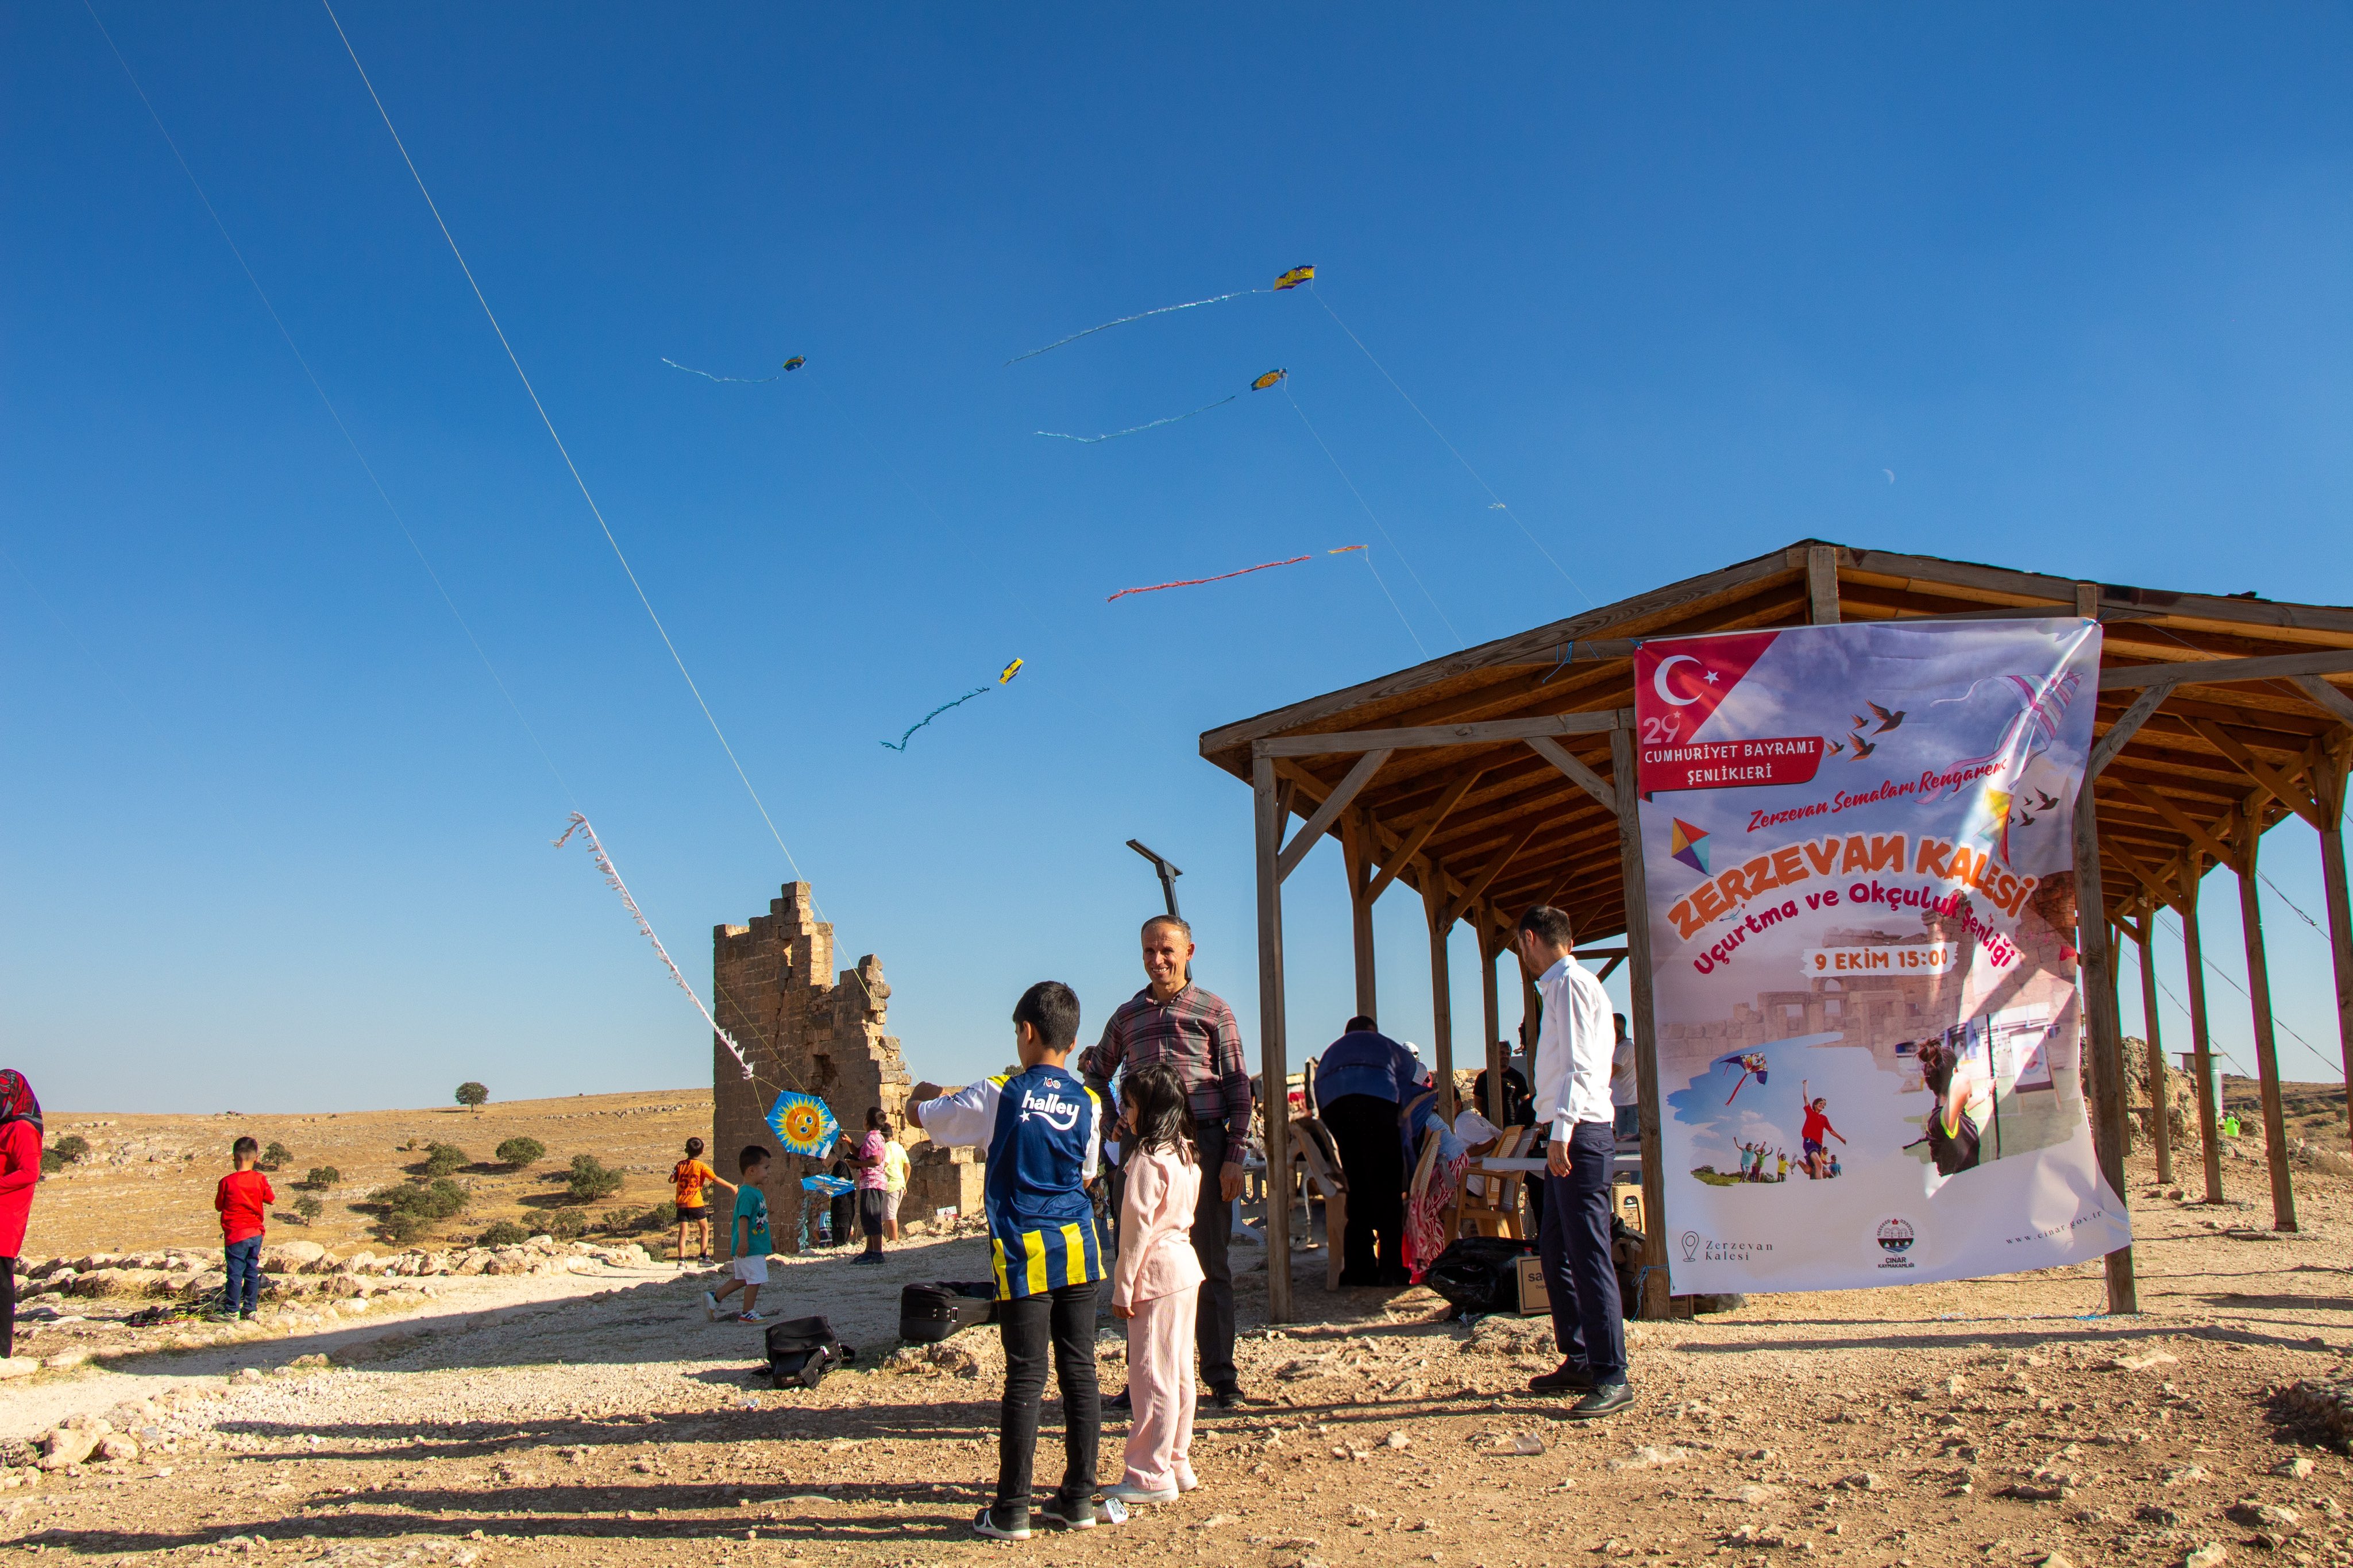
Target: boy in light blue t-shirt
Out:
[747,1239]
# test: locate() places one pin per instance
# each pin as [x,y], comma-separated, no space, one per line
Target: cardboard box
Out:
[1533,1297]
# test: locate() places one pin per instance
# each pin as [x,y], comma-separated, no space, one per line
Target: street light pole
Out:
[1168,874]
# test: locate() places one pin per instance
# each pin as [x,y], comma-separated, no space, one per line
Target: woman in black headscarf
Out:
[20,1167]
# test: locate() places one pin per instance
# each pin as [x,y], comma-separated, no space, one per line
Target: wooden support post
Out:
[1822,585]
[1645,1023]
[1490,1008]
[1441,993]
[1274,1059]
[2105,1031]
[2210,1114]
[1357,854]
[2328,784]
[2259,995]
[2159,1121]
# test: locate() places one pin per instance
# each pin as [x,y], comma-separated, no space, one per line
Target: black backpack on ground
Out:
[1478,1273]
[930,1314]
[801,1350]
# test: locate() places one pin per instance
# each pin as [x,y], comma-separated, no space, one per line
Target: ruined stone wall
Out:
[808,1029]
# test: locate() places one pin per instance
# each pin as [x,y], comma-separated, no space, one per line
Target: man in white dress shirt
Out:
[1574,1047]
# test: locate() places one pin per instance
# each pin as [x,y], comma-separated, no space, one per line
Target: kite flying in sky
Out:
[1260,384]
[793,364]
[1007,673]
[1291,279]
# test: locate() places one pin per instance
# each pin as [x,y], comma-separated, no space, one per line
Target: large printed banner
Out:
[1860,874]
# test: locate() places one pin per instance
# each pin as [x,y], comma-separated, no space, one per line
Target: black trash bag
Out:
[1480,1273]
[801,1350]
[932,1312]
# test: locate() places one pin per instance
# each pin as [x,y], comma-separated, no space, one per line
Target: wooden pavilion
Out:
[1501,776]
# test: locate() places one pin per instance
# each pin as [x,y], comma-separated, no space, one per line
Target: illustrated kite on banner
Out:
[579,825]
[1859,866]
[804,1124]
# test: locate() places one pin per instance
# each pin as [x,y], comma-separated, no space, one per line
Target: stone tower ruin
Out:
[806,1027]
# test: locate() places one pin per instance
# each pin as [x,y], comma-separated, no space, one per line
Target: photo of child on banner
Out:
[1856,841]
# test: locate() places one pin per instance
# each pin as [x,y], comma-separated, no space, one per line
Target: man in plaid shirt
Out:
[1175,1021]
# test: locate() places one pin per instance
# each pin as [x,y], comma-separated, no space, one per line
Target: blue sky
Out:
[1682,286]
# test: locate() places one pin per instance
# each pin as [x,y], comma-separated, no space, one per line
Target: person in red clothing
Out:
[1817,1121]
[20,1168]
[242,1199]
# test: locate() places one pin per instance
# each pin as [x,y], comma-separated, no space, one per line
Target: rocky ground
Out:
[598,1417]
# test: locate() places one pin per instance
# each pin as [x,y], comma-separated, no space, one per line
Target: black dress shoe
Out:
[1119,1401]
[1607,1399]
[1231,1398]
[1568,1377]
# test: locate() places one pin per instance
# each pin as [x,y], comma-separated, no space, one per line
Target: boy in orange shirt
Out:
[243,1198]
[691,1176]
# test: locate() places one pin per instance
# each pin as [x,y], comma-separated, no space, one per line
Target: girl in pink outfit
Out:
[1156,1287]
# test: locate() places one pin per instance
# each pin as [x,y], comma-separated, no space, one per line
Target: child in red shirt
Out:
[243,1198]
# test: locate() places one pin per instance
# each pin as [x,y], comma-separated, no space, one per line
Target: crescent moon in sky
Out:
[1658,679]
[1890,473]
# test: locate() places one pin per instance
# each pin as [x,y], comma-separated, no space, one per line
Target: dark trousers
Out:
[1213,1232]
[243,1293]
[1365,1126]
[7,1306]
[1587,1321]
[1065,1318]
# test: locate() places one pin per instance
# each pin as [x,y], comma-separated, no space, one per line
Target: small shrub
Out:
[589,1180]
[505,1233]
[618,1222]
[308,1207]
[425,1202]
[440,1159]
[401,1228]
[52,1161]
[564,1225]
[71,1149]
[520,1151]
[472,1096]
[323,1177]
[663,1216]
[276,1156]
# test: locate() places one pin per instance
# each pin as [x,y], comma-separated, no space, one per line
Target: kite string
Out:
[561,450]
[329,404]
[1499,503]
[1392,599]
[579,823]
[1376,518]
[740,380]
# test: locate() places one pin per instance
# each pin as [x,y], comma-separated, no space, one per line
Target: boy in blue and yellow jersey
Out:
[1043,1132]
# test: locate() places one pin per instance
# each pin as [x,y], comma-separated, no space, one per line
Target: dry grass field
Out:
[148,1180]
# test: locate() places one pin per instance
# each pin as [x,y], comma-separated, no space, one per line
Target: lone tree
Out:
[473,1096]
[520,1151]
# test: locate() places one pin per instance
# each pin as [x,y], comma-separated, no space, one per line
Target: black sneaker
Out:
[1568,1377]
[1119,1401]
[998,1522]
[1079,1515]
[1607,1399]
[1231,1398]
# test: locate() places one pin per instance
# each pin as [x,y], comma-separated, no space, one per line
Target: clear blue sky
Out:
[1683,285]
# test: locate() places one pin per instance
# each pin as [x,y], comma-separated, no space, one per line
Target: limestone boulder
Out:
[290,1256]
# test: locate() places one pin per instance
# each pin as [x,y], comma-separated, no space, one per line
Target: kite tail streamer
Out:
[1196,582]
[579,825]
[901,744]
[740,380]
[1091,440]
[1140,315]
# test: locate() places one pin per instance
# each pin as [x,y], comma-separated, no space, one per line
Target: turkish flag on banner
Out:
[1678,682]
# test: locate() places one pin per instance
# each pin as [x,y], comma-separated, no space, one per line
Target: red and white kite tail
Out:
[579,825]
